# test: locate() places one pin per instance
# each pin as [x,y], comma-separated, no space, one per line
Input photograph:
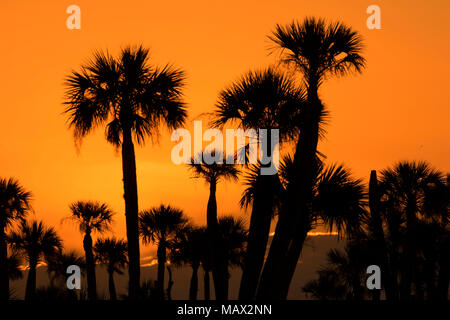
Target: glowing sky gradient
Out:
[396,110]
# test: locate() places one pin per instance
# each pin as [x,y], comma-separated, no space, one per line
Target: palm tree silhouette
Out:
[344,275]
[213,174]
[317,50]
[189,248]
[36,243]
[265,99]
[233,237]
[160,225]
[15,202]
[406,187]
[113,253]
[338,202]
[132,98]
[328,286]
[92,217]
[57,270]
[14,263]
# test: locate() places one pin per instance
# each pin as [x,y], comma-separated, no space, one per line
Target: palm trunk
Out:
[408,259]
[444,269]
[194,282]
[131,212]
[394,238]
[206,285]
[90,266]
[292,261]
[257,239]
[216,254]
[4,281]
[161,268]
[111,285]
[378,233]
[30,290]
[287,242]
[169,284]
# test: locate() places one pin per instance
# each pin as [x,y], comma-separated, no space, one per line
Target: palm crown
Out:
[14,201]
[112,252]
[91,216]
[126,93]
[160,224]
[262,99]
[318,48]
[214,172]
[36,241]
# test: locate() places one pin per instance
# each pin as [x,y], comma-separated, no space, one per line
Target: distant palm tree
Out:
[132,98]
[233,238]
[266,99]
[213,174]
[344,275]
[57,266]
[36,243]
[92,217]
[327,287]
[113,253]
[14,263]
[189,248]
[160,225]
[406,186]
[57,271]
[317,50]
[15,202]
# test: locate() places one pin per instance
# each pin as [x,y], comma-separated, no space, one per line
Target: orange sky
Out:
[395,110]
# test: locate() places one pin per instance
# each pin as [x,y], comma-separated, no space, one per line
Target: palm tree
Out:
[14,263]
[92,217]
[37,243]
[233,237]
[189,248]
[344,274]
[113,253]
[407,185]
[260,99]
[213,174]
[15,202]
[160,225]
[132,98]
[338,202]
[57,270]
[317,50]
[327,287]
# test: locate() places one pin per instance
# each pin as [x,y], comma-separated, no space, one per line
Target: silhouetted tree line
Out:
[399,222]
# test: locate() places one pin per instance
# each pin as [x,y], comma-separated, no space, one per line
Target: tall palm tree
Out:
[113,253]
[160,225]
[92,217]
[15,202]
[338,202]
[266,99]
[132,99]
[36,243]
[213,174]
[407,185]
[318,50]
[189,248]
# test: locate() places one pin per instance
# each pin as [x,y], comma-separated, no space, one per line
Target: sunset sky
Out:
[397,109]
